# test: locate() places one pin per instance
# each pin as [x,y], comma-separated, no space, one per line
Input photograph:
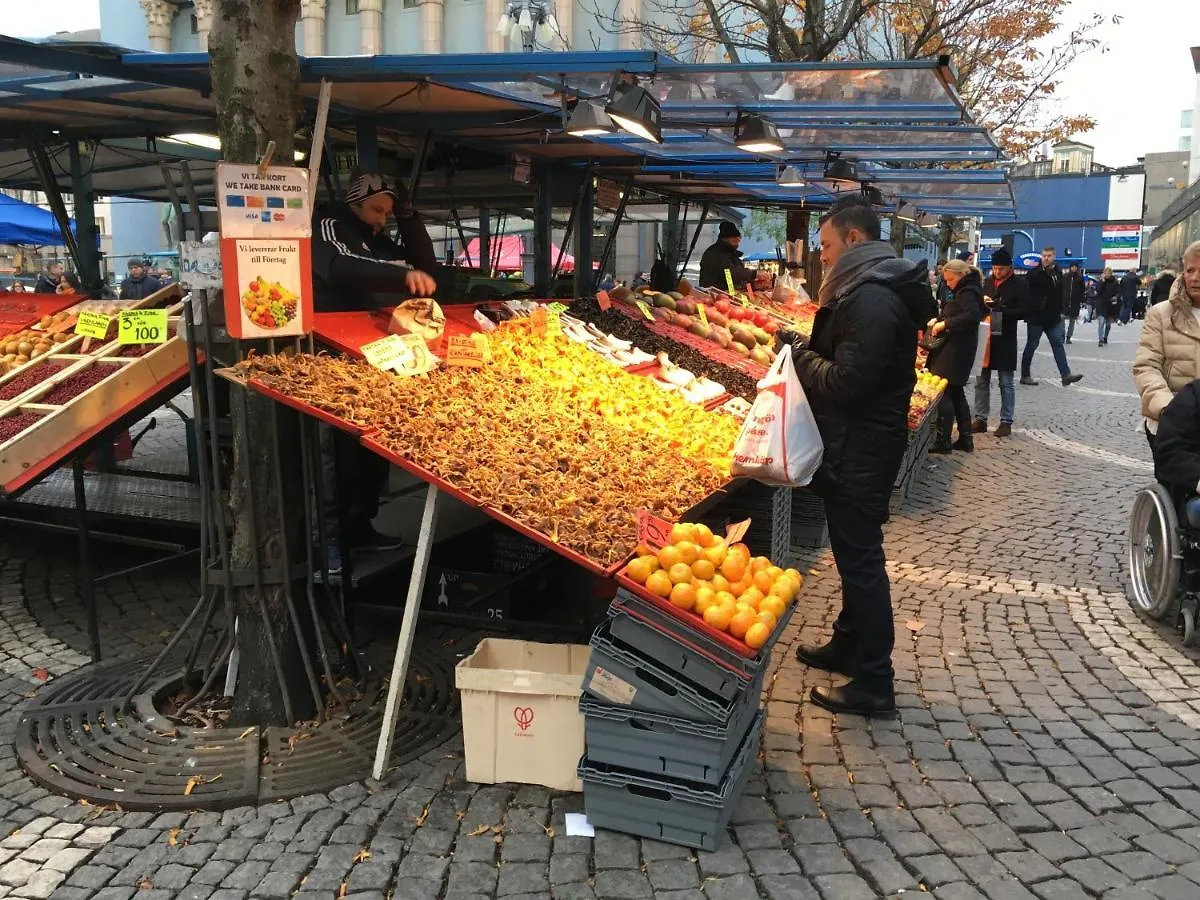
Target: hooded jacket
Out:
[1168,352]
[858,372]
[716,259]
[355,268]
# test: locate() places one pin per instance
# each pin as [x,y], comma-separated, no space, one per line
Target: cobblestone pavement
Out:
[1047,745]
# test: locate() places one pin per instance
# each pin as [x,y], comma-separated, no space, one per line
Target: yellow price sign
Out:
[464,350]
[641,304]
[702,312]
[729,280]
[387,353]
[93,325]
[142,326]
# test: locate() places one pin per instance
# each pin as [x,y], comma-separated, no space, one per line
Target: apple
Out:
[722,306]
[760,318]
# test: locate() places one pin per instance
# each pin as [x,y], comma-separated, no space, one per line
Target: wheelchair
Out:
[1163,555]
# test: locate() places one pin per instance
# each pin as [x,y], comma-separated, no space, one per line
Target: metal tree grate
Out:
[74,740]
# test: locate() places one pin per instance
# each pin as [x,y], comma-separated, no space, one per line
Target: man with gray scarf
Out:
[858,374]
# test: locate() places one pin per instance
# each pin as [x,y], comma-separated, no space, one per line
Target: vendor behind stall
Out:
[725,255]
[356,265]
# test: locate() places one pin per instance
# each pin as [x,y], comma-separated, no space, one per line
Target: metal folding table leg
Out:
[412,604]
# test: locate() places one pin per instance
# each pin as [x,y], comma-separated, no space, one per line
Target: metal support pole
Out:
[176,203]
[408,629]
[41,165]
[86,587]
[485,242]
[85,222]
[584,224]
[193,199]
[671,232]
[695,238]
[366,144]
[569,233]
[611,242]
[542,225]
[317,154]
[462,237]
[418,166]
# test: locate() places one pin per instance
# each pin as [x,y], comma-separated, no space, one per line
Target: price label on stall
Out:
[465,350]
[702,312]
[653,531]
[93,325]
[558,308]
[142,326]
[729,281]
[603,300]
[422,360]
[736,531]
[389,354]
[641,304]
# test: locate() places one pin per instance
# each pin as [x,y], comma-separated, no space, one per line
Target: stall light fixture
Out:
[906,212]
[873,195]
[635,111]
[790,176]
[212,142]
[522,22]
[589,119]
[504,26]
[755,134]
[841,172]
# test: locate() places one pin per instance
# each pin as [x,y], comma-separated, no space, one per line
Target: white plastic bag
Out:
[779,443]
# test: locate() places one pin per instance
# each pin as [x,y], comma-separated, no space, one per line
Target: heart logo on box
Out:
[524,717]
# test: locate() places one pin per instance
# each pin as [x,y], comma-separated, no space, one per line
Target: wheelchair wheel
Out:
[1187,626]
[1153,551]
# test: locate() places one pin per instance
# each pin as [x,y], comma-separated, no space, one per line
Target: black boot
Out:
[941,445]
[965,443]
[979,427]
[856,699]
[827,657]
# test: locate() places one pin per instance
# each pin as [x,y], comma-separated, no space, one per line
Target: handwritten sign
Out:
[653,531]
[702,312]
[200,264]
[604,300]
[389,353]
[736,531]
[422,360]
[464,350]
[641,304]
[93,325]
[142,326]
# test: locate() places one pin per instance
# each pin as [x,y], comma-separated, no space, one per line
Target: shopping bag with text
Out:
[779,443]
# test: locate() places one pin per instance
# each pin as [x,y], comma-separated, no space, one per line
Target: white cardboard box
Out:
[520,711]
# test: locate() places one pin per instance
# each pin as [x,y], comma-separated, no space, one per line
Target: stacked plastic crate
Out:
[672,726]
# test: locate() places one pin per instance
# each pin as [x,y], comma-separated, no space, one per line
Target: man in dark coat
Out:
[1046,294]
[724,256]
[858,375]
[1072,299]
[48,279]
[1161,289]
[1129,288]
[140,284]
[1008,298]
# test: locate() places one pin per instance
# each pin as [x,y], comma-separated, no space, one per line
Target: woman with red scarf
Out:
[1007,296]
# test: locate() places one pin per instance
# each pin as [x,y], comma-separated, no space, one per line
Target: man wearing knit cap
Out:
[1008,299]
[724,256]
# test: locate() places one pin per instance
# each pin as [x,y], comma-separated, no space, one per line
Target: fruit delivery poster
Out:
[266,250]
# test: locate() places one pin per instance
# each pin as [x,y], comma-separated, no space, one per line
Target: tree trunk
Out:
[945,237]
[899,233]
[256,85]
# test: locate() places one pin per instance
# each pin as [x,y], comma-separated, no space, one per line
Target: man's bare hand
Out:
[419,284]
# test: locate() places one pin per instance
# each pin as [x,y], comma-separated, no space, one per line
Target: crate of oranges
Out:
[717,588]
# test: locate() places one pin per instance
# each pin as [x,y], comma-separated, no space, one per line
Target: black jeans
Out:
[864,630]
[364,476]
[954,407]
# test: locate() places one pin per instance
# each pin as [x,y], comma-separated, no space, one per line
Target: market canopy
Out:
[901,123]
[24,223]
[506,254]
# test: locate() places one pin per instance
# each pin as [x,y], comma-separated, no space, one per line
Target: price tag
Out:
[558,308]
[422,360]
[604,300]
[729,281]
[93,325]
[142,326]
[736,531]
[538,320]
[465,350]
[653,531]
[641,304]
[389,353]
[702,312]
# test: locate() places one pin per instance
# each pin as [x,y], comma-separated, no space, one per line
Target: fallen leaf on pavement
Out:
[173,837]
[41,673]
[362,855]
[914,625]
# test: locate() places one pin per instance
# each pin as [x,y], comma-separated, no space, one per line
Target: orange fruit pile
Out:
[722,584]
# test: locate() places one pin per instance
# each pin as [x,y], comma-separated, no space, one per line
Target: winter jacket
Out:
[1046,291]
[139,288]
[955,359]
[1129,288]
[1010,298]
[1168,352]
[858,374]
[1177,444]
[45,284]
[1072,294]
[1161,289]
[1108,298]
[355,268]
[719,257]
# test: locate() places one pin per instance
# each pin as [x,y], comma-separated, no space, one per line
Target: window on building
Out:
[1185,119]
[352,7]
[101,225]
[410,4]
[195,25]
[1185,143]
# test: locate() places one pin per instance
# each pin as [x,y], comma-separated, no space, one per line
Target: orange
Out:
[716,551]
[768,619]
[680,532]
[756,635]
[639,570]
[719,582]
[795,575]
[773,605]
[753,596]
[719,617]
[762,580]
[688,552]
[774,572]
[740,587]
[740,550]
[644,550]
[746,607]
[650,558]
[724,598]
[680,573]
[784,589]
[683,596]
[703,569]
[704,601]
[659,583]
[733,568]
[669,556]
[703,535]
[740,624]
[759,564]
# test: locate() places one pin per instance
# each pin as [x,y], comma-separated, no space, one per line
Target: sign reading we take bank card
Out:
[266,250]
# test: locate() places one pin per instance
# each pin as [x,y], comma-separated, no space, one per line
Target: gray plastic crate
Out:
[664,810]
[769,510]
[667,746]
[809,528]
[620,675]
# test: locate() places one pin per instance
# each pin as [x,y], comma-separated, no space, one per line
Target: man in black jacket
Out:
[858,375]
[48,279]
[1047,292]
[1129,289]
[1161,289]
[1072,298]
[355,264]
[140,284]
[724,256]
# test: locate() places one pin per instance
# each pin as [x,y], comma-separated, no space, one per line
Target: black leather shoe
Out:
[1068,380]
[850,698]
[979,427]
[825,657]
[964,443]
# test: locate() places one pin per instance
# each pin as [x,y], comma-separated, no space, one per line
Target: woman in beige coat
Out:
[1168,353]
